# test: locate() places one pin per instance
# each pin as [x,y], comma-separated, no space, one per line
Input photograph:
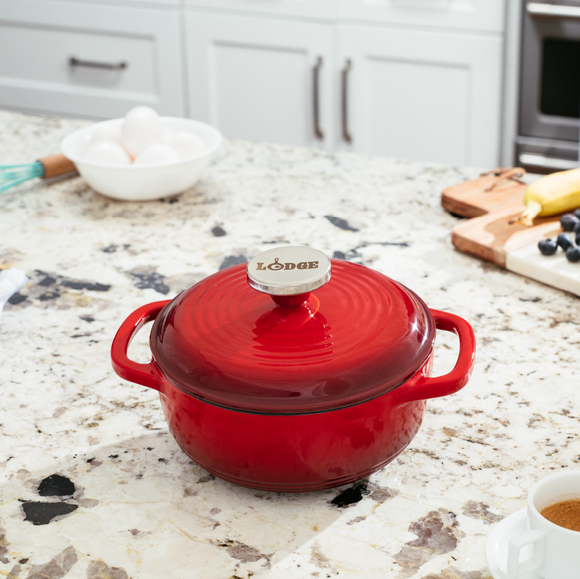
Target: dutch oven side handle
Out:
[144,374]
[427,387]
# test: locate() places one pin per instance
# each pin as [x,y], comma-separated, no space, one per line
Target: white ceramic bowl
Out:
[143,182]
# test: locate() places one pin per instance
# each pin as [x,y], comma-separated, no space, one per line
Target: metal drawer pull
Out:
[316,98]
[538,10]
[72,61]
[345,133]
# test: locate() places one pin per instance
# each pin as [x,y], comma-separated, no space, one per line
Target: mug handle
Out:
[426,387]
[516,544]
[145,374]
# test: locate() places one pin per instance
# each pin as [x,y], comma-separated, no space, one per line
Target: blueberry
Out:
[578,239]
[563,241]
[547,247]
[568,221]
[573,253]
[577,213]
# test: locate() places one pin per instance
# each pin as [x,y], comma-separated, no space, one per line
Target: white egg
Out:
[185,144]
[142,127]
[106,133]
[107,153]
[157,154]
[167,134]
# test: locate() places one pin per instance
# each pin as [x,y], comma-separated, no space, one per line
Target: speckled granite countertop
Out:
[129,503]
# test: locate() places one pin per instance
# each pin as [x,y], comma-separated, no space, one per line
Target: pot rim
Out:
[300,413]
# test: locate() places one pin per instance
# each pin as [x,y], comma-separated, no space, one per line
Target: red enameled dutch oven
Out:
[281,389]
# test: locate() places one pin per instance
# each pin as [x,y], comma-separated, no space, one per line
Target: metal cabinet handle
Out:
[345,132]
[73,61]
[316,98]
[540,10]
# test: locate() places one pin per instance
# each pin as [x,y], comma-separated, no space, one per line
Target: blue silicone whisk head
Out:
[11,175]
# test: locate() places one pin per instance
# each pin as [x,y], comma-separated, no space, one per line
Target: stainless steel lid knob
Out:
[289,271]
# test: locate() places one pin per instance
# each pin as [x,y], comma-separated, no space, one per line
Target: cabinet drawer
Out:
[325,9]
[93,61]
[484,15]
[69,57]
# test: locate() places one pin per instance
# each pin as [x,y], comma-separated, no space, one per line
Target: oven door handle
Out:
[551,163]
[541,10]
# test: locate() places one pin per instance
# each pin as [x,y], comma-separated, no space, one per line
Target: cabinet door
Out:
[254,78]
[94,61]
[423,95]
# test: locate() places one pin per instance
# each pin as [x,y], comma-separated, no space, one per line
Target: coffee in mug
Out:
[564,514]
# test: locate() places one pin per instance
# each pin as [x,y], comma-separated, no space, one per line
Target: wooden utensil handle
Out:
[513,173]
[56,165]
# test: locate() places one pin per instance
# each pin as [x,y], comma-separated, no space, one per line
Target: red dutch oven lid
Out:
[281,336]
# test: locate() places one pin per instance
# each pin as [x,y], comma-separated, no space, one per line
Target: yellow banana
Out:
[551,195]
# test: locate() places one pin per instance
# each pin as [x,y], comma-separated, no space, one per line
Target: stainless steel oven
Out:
[549,111]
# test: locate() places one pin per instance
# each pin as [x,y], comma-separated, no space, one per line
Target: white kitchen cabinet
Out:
[255,78]
[422,95]
[424,79]
[87,60]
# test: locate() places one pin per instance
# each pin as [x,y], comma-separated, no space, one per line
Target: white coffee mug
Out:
[556,550]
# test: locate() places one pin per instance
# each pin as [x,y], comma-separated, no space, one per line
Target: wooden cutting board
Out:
[492,202]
